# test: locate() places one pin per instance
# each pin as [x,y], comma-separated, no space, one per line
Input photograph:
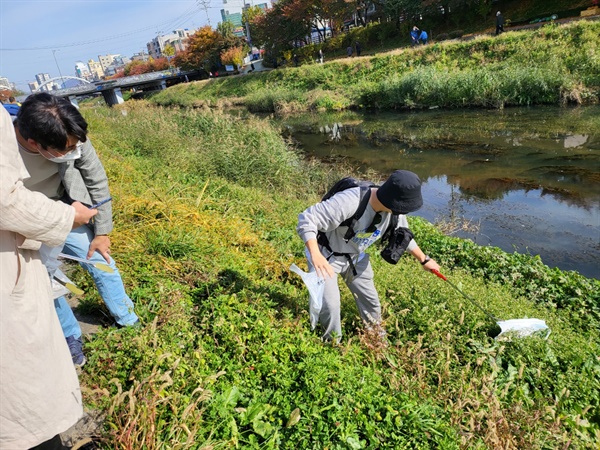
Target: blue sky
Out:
[80,30]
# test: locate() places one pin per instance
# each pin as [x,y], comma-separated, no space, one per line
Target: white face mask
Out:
[71,156]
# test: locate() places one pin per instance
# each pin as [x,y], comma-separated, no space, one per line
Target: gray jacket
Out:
[328,215]
[85,181]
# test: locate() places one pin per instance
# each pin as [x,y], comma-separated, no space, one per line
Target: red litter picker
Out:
[517,327]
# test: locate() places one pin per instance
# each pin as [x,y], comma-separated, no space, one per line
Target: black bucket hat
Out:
[401,192]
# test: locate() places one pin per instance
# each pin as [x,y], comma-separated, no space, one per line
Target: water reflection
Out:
[529,177]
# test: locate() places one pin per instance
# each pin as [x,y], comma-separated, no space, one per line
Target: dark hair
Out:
[50,120]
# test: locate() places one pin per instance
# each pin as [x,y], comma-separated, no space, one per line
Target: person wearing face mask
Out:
[63,165]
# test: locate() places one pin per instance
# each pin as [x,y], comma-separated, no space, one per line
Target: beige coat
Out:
[39,389]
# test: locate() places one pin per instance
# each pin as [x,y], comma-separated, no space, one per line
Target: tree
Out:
[284,25]
[202,50]
[334,12]
[248,17]
[233,56]
[402,10]
[169,50]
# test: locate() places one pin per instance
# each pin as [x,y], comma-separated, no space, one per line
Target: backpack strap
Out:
[390,229]
[365,195]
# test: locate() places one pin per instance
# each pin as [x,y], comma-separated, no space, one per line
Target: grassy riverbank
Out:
[551,65]
[205,214]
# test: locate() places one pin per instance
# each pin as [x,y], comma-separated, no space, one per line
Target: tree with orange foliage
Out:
[202,50]
[233,55]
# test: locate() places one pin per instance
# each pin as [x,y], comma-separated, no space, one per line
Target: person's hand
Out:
[83,214]
[319,262]
[321,265]
[100,244]
[431,265]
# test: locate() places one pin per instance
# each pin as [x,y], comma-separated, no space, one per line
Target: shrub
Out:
[456,34]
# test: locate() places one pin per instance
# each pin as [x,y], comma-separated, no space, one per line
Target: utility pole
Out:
[159,42]
[205,4]
[246,7]
[58,67]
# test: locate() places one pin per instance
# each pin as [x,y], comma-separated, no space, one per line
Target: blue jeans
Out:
[109,285]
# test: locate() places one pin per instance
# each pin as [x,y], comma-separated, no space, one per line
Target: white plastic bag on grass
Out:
[316,288]
[523,327]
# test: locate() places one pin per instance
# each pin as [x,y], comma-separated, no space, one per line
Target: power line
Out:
[186,15]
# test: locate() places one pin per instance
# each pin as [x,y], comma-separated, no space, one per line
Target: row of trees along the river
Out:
[303,26]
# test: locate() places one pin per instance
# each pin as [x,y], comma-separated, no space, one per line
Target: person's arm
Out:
[427,263]
[414,249]
[96,182]
[325,216]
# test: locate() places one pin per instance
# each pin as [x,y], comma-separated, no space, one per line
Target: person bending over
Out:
[63,165]
[336,255]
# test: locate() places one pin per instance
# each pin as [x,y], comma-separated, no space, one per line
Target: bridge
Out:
[111,89]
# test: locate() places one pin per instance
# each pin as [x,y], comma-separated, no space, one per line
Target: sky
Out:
[50,36]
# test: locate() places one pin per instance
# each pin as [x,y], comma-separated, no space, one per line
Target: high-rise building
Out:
[82,71]
[33,86]
[41,78]
[96,69]
[235,18]
[4,83]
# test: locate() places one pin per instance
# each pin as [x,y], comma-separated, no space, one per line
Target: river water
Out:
[522,179]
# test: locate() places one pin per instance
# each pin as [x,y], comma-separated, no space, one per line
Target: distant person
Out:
[296,61]
[357,47]
[349,51]
[13,101]
[499,23]
[331,251]
[414,36]
[252,68]
[39,390]
[63,165]
[320,56]
[423,37]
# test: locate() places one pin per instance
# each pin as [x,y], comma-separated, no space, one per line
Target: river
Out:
[522,179]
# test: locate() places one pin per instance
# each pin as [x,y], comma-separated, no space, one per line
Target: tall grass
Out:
[205,145]
[551,65]
[226,359]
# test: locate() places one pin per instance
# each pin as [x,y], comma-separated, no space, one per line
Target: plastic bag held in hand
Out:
[316,288]
[49,257]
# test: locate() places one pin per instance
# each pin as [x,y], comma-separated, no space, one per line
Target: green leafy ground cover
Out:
[551,65]
[205,214]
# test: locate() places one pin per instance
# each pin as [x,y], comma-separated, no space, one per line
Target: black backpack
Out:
[397,240]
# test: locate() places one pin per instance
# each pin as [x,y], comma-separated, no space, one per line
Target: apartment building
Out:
[177,39]
[96,70]
[41,78]
[106,60]
[82,71]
